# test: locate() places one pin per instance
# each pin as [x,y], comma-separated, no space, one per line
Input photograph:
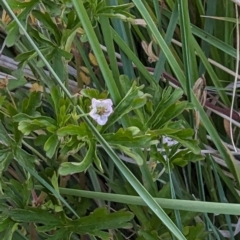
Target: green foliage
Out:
[131,137]
[71,168]
[50,145]
[46,221]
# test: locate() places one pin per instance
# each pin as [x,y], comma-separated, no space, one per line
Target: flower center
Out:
[101,110]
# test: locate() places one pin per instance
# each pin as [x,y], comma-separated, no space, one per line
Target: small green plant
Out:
[102,140]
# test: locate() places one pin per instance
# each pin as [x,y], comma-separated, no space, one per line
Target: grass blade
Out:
[185,205]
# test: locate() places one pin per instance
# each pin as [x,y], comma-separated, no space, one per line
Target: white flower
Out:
[101,110]
[169,141]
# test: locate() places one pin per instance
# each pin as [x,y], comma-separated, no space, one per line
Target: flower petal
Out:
[93,114]
[107,102]
[95,102]
[169,141]
[108,112]
[102,120]
[101,109]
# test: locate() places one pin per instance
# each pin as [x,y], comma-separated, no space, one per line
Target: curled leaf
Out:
[67,168]
[36,88]
[148,50]
[93,59]
[84,78]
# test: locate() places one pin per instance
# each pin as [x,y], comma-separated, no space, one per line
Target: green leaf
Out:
[97,162]
[59,234]
[27,124]
[64,117]
[132,100]
[5,160]
[21,193]
[184,133]
[22,156]
[90,93]
[102,235]
[36,215]
[196,232]
[10,192]
[189,143]
[68,37]
[126,83]
[100,219]
[4,137]
[26,127]
[40,140]
[12,36]
[130,137]
[179,162]
[170,113]
[168,98]
[15,4]
[138,102]
[16,83]
[58,65]
[6,223]
[22,57]
[40,37]
[79,130]
[185,155]
[46,121]
[156,155]
[33,102]
[149,235]
[56,96]
[2,99]
[72,146]
[64,54]
[131,153]
[67,168]
[55,8]
[46,20]
[51,145]
[9,227]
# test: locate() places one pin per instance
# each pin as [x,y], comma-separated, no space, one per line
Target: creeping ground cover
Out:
[119,119]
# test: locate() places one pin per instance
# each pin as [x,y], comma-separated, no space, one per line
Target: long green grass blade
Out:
[186,46]
[106,29]
[164,47]
[185,205]
[129,53]
[107,74]
[119,27]
[158,70]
